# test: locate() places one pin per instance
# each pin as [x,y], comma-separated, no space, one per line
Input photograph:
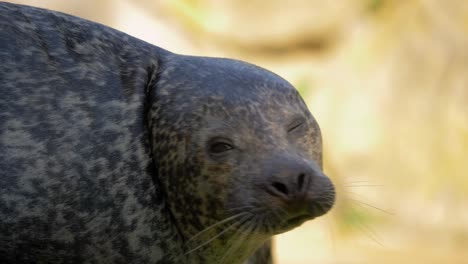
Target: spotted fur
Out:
[104,149]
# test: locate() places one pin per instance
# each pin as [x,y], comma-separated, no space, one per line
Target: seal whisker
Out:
[369,232]
[277,214]
[272,217]
[365,229]
[213,238]
[256,224]
[237,234]
[236,238]
[363,185]
[365,205]
[278,217]
[240,208]
[282,214]
[357,181]
[217,224]
[331,232]
[242,234]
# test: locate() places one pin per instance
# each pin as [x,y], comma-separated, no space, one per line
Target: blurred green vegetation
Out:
[375,5]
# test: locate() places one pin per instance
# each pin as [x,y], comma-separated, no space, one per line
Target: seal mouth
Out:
[294,222]
[297,220]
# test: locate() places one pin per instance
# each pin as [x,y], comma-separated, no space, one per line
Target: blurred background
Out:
[387,81]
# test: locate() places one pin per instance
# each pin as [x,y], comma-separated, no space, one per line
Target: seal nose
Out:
[301,188]
[289,190]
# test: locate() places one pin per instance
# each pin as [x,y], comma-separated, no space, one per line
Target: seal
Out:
[113,150]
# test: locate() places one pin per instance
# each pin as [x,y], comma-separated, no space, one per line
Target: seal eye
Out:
[296,125]
[220,147]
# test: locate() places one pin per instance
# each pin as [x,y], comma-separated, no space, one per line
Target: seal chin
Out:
[299,220]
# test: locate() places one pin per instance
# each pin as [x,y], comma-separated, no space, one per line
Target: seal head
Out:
[240,153]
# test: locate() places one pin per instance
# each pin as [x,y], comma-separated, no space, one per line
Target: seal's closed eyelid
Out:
[296,123]
[220,139]
[218,145]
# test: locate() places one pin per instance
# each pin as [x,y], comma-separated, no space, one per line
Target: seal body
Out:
[113,150]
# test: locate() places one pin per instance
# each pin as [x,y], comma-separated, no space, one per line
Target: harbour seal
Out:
[113,150]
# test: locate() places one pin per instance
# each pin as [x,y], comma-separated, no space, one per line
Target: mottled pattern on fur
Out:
[103,147]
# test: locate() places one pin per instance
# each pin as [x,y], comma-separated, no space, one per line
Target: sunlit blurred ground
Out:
[388,83]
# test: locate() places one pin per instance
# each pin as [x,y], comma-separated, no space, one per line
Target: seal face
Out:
[251,148]
[116,151]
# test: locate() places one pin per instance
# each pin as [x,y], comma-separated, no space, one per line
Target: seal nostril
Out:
[300,181]
[280,187]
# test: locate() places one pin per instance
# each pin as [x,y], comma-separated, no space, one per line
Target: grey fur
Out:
[105,149]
